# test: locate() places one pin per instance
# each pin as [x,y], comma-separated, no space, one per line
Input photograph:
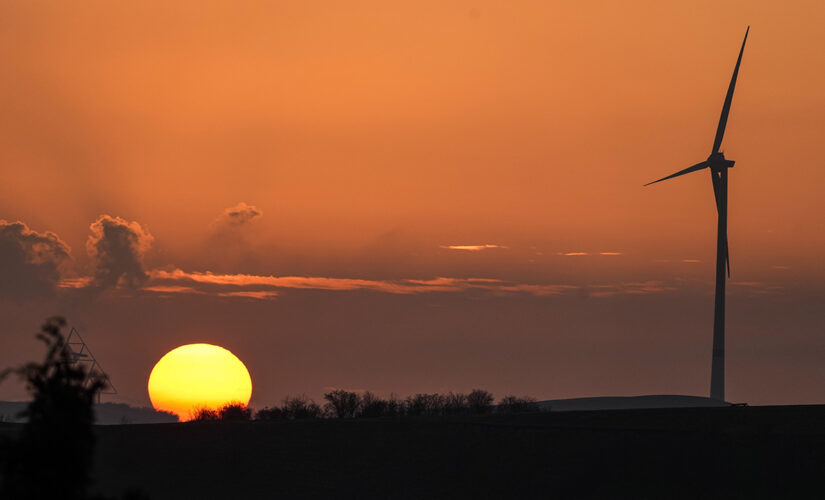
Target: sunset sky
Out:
[416,196]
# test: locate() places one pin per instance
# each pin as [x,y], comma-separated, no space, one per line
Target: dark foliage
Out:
[350,404]
[298,408]
[52,457]
[235,412]
[205,415]
[455,404]
[371,405]
[273,413]
[292,408]
[480,401]
[341,403]
[514,404]
[423,404]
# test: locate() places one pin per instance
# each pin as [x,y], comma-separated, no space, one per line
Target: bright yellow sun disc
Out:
[197,376]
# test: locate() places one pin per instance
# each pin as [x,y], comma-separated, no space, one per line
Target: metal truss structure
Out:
[80,354]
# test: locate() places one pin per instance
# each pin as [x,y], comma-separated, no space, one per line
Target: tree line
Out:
[342,404]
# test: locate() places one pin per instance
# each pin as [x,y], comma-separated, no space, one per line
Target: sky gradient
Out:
[416,198]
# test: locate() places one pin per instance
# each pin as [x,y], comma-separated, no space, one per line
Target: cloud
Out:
[30,262]
[266,287]
[239,215]
[755,287]
[171,289]
[117,248]
[260,294]
[582,254]
[297,282]
[633,288]
[472,248]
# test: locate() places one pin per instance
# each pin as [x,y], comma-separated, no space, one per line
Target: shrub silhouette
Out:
[424,404]
[350,404]
[300,407]
[341,403]
[395,407]
[480,401]
[371,405]
[292,408]
[455,404]
[203,414]
[513,404]
[52,457]
[235,412]
[267,413]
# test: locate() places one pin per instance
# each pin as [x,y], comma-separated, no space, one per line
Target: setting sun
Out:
[197,376]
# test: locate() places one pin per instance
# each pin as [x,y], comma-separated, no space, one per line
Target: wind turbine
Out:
[718,166]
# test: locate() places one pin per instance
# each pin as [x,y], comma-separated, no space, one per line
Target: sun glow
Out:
[197,376]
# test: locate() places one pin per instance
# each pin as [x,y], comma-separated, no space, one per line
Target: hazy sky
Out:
[415,197]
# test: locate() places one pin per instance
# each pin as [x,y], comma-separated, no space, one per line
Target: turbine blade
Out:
[714,177]
[727,255]
[693,168]
[723,119]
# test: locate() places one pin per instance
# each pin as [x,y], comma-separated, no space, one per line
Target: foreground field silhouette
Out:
[732,452]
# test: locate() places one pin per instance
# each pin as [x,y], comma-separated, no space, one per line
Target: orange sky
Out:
[369,137]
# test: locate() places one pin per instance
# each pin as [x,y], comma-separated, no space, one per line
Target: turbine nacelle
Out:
[717,162]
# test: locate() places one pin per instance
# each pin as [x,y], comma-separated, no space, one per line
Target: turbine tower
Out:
[718,166]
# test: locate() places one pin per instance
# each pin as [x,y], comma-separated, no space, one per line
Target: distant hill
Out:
[629,402]
[105,413]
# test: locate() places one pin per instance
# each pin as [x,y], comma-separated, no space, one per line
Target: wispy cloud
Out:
[755,287]
[167,282]
[583,254]
[631,288]
[170,289]
[472,248]
[81,282]
[299,282]
[691,261]
[261,294]
[453,281]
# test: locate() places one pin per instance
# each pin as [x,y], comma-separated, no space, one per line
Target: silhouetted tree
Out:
[371,405]
[395,407]
[267,413]
[204,415]
[480,401]
[52,458]
[455,404]
[424,404]
[235,412]
[300,407]
[341,403]
[513,404]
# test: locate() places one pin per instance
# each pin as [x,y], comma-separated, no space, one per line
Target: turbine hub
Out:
[718,162]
